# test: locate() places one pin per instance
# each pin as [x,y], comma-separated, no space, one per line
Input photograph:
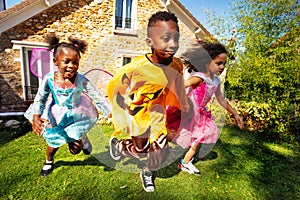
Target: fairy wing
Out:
[41,62]
[99,77]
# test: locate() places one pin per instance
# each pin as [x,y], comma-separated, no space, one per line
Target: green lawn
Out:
[241,166]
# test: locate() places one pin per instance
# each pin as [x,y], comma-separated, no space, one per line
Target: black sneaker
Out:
[147,181]
[113,149]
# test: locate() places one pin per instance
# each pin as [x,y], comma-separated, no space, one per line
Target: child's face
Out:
[217,65]
[164,40]
[67,62]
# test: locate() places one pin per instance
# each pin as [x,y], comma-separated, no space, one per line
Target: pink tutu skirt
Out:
[205,129]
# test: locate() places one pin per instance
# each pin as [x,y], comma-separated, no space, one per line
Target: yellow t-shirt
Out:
[140,92]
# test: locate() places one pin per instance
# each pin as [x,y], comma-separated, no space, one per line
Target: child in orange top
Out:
[140,92]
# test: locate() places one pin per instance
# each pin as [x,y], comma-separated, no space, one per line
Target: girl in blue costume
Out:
[64,107]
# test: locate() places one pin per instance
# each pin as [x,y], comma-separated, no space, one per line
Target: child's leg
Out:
[186,163]
[48,164]
[136,147]
[50,152]
[87,146]
[75,146]
[140,147]
[157,153]
[190,153]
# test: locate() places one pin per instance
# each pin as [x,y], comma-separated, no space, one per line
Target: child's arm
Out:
[38,107]
[224,103]
[194,80]
[39,124]
[101,102]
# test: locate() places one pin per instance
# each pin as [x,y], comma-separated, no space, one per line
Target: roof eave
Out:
[187,18]
[22,12]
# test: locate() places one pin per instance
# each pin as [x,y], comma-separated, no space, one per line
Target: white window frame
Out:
[24,47]
[133,17]
[121,54]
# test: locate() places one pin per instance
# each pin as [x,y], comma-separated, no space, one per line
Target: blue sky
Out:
[194,6]
[10,3]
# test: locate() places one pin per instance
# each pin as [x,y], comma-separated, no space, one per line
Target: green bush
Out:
[263,67]
[278,121]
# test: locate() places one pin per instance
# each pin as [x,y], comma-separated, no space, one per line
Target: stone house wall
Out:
[89,20]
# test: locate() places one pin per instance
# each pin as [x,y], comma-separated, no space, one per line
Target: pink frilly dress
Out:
[199,127]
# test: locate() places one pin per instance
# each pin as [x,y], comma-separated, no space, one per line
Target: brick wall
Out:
[84,19]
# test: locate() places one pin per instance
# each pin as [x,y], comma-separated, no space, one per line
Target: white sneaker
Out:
[87,146]
[188,167]
[113,149]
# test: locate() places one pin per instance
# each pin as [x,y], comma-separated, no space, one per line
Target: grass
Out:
[241,166]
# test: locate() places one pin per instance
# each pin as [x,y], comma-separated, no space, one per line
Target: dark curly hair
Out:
[78,45]
[160,16]
[201,54]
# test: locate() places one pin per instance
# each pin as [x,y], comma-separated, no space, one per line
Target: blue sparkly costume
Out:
[71,111]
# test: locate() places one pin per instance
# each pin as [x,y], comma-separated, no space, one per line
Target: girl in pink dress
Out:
[205,63]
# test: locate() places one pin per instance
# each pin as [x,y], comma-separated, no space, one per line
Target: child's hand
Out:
[239,121]
[108,119]
[189,113]
[39,124]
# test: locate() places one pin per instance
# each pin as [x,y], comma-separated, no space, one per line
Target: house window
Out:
[35,61]
[31,81]
[126,56]
[40,62]
[126,60]
[125,14]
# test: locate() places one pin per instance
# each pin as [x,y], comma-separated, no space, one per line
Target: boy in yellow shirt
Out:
[140,92]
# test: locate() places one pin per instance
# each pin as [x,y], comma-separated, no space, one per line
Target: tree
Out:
[266,69]
[266,66]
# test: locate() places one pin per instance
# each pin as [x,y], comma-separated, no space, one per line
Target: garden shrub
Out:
[278,121]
